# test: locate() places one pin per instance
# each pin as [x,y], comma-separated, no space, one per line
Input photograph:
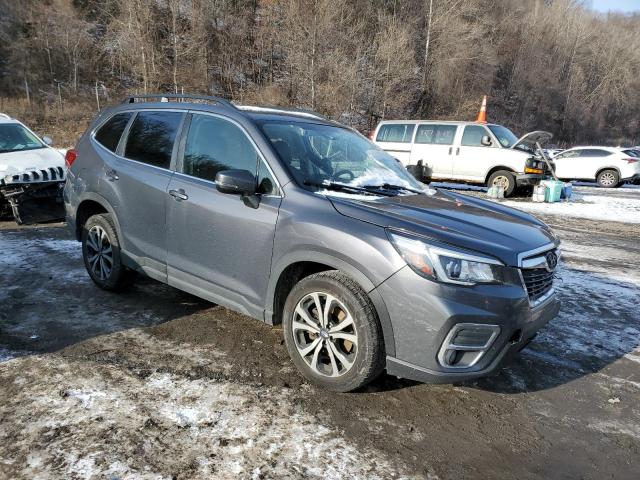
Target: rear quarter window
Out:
[395,132]
[152,137]
[108,135]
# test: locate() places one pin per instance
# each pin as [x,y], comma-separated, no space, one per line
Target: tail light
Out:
[371,134]
[70,157]
[631,160]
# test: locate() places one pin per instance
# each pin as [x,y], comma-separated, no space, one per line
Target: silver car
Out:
[291,218]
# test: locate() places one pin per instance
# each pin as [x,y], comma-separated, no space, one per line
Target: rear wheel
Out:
[332,332]
[101,253]
[608,179]
[505,178]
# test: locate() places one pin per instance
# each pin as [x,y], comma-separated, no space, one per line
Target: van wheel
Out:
[332,332]
[101,253]
[608,179]
[504,177]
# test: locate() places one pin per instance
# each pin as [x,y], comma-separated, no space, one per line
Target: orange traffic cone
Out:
[482,115]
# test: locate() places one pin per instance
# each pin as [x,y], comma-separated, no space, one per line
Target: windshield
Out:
[14,138]
[505,136]
[321,154]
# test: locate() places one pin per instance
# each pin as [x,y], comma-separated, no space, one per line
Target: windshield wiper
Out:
[392,187]
[329,185]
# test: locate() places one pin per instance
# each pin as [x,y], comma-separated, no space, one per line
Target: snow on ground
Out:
[95,420]
[592,207]
[597,302]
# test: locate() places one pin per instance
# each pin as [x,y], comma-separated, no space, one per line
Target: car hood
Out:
[12,163]
[530,139]
[459,220]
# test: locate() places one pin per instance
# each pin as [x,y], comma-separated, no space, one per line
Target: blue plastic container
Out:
[567,191]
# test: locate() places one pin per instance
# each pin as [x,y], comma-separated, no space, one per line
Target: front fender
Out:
[333,260]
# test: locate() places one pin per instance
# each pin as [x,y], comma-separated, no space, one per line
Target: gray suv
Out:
[291,218]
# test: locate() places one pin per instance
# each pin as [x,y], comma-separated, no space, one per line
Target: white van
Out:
[470,152]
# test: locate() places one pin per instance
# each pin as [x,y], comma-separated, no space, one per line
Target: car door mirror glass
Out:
[241,182]
[47,140]
[486,141]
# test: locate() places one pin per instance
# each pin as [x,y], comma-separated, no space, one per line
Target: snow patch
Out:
[592,207]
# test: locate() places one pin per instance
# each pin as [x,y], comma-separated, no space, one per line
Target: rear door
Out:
[434,145]
[472,159]
[136,180]
[395,139]
[219,247]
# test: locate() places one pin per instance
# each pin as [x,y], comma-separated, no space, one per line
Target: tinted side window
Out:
[152,136]
[436,134]
[109,134]
[472,136]
[570,154]
[594,152]
[395,132]
[213,145]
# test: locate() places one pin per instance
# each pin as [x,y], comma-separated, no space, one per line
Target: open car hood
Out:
[530,139]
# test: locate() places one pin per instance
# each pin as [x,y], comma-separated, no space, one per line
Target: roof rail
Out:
[298,111]
[165,97]
[4,115]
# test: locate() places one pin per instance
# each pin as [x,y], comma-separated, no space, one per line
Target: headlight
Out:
[445,265]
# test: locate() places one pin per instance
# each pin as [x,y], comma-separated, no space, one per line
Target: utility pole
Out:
[97,97]
[26,89]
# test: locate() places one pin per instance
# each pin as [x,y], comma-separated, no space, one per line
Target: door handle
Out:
[458,151]
[179,195]
[450,150]
[112,175]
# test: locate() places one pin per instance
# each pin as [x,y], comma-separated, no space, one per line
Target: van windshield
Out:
[505,136]
[321,154]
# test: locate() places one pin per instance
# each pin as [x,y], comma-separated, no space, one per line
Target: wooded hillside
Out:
[548,64]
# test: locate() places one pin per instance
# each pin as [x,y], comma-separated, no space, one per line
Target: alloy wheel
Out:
[501,181]
[99,252]
[324,334]
[607,179]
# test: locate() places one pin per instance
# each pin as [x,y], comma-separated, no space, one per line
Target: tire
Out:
[507,177]
[357,348]
[608,179]
[99,237]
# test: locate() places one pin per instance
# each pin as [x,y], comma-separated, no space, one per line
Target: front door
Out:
[434,146]
[219,247]
[473,159]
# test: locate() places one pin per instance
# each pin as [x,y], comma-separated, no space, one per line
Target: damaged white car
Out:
[32,175]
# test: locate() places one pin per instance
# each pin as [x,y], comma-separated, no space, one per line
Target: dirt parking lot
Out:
[155,383]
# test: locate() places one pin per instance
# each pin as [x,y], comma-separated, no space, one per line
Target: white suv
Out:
[32,174]
[608,166]
[465,151]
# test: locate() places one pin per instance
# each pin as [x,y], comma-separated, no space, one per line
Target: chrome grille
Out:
[538,281]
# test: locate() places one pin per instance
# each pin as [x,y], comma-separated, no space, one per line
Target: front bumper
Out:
[423,313]
[529,179]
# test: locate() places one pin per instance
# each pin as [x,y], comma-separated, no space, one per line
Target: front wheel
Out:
[503,178]
[608,179]
[332,332]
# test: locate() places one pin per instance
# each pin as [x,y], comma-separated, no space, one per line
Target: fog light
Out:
[466,344]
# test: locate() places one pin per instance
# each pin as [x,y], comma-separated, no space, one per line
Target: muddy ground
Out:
[155,383]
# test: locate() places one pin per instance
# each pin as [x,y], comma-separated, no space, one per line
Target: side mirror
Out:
[486,141]
[241,182]
[47,140]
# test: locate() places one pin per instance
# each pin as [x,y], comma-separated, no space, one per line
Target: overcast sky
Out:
[620,5]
